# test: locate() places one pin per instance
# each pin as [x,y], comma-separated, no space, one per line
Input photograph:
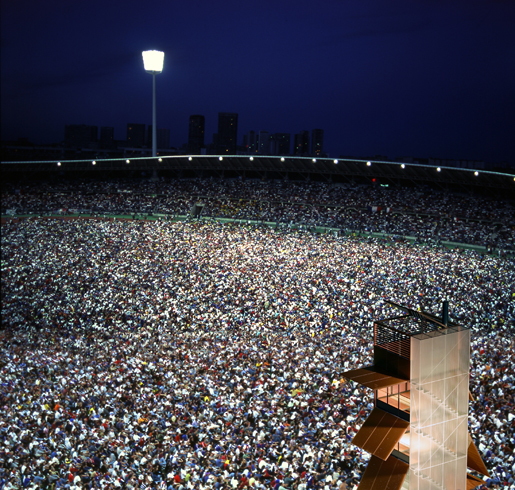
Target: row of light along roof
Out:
[282,159]
[314,160]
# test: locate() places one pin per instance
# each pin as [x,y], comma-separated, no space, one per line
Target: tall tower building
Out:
[264,143]
[281,142]
[317,142]
[196,134]
[135,135]
[417,432]
[227,133]
[301,143]
[250,142]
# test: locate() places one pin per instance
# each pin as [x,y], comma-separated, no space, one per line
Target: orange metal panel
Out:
[384,475]
[473,482]
[371,378]
[380,433]
[474,460]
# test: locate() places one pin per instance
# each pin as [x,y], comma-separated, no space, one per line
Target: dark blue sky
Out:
[398,77]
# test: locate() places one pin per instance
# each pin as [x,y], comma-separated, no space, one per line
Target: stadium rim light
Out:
[438,169]
[403,166]
[335,161]
[476,173]
[58,164]
[369,163]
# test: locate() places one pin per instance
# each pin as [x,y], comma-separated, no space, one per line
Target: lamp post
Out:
[153,63]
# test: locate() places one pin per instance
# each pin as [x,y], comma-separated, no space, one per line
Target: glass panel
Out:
[438,410]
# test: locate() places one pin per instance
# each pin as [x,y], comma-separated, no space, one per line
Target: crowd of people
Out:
[418,212]
[186,355]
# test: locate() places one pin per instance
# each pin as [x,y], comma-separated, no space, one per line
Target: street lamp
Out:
[153,63]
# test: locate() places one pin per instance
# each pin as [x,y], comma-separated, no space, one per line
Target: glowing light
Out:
[190,159]
[153,61]
[251,159]
[335,161]
[127,161]
[58,164]
[403,166]
[159,159]
[438,169]
[476,173]
[282,159]
[314,160]
[369,163]
[220,158]
[405,439]
[93,162]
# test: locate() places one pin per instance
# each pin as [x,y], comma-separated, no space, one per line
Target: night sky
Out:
[428,78]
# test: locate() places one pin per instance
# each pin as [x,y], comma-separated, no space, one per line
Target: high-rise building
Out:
[264,143]
[281,144]
[250,142]
[317,142]
[196,134]
[106,137]
[227,132]
[301,143]
[80,135]
[135,135]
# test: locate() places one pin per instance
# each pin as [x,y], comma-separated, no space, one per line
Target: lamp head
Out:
[153,61]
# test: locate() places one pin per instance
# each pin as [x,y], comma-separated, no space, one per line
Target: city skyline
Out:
[403,78]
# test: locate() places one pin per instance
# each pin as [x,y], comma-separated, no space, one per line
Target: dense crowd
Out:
[418,212]
[197,356]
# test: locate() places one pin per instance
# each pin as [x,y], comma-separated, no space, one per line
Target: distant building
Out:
[106,137]
[80,135]
[135,135]
[250,142]
[281,144]
[317,142]
[196,134]
[227,132]
[264,143]
[301,144]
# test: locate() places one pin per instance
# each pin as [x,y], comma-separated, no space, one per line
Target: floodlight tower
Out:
[153,63]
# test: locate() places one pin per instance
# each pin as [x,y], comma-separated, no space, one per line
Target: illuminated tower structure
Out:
[417,432]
